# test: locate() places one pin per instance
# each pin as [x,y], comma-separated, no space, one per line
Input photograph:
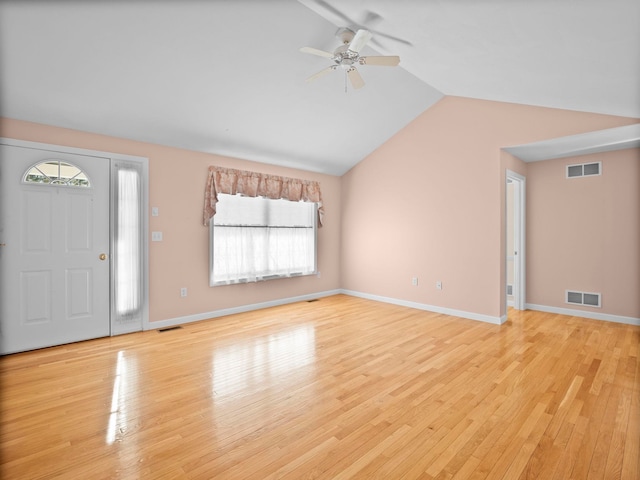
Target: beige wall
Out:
[176,182]
[430,203]
[584,233]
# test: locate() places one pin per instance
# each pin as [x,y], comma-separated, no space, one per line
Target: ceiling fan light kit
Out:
[347,56]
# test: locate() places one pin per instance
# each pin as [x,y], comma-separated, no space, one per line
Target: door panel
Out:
[78,235]
[35,297]
[79,291]
[36,227]
[54,286]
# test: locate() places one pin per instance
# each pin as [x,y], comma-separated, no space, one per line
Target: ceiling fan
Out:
[347,56]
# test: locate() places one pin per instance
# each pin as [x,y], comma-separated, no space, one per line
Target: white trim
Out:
[430,308]
[65,149]
[404,303]
[170,322]
[582,313]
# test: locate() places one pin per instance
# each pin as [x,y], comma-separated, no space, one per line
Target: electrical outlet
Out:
[414,281]
[439,285]
[183,292]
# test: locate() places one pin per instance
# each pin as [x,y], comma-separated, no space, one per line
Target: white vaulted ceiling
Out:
[227,77]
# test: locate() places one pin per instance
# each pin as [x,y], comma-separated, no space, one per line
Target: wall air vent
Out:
[584,170]
[509,290]
[583,298]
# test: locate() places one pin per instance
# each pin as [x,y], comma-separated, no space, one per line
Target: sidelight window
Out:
[127,241]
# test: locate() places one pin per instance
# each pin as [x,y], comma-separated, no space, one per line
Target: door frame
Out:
[519,223]
[114,328]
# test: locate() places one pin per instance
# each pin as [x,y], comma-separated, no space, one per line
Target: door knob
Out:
[103,256]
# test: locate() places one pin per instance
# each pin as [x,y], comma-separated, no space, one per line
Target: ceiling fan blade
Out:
[355,78]
[391,37]
[360,40]
[384,61]
[371,19]
[315,51]
[346,20]
[321,73]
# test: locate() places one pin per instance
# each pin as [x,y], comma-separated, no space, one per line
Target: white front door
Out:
[54,258]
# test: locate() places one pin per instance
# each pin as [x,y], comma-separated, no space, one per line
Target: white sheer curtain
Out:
[127,261]
[255,238]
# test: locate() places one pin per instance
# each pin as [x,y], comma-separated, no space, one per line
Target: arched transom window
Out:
[57,172]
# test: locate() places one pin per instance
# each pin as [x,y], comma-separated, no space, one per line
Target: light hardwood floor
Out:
[338,388]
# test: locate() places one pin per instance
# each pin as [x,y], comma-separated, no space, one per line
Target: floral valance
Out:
[252,184]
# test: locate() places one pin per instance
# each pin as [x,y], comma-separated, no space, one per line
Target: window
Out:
[255,238]
[55,172]
[127,241]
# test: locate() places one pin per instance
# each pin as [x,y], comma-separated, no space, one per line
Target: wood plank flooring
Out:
[334,389]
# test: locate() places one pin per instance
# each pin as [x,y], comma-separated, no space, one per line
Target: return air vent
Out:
[509,290]
[583,298]
[168,329]
[584,170]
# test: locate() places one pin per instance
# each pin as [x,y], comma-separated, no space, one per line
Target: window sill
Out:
[263,278]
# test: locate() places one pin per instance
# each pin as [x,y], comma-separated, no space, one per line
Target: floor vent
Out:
[583,298]
[313,300]
[510,290]
[177,327]
[584,170]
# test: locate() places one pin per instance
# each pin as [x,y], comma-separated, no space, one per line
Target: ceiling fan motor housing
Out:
[344,56]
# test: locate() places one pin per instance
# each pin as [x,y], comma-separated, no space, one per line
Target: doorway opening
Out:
[515,241]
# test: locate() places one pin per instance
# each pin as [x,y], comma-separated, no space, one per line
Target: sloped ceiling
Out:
[228,78]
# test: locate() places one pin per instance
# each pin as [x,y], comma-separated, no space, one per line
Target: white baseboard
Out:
[404,303]
[230,311]
[582,313]
[430,308]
